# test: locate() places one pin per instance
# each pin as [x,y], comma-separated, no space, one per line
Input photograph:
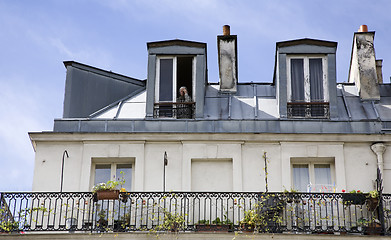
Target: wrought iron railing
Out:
[179,110]
[308,109]
[198,211]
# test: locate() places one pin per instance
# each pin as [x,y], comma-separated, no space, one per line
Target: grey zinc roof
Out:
[253,109]
[256,102]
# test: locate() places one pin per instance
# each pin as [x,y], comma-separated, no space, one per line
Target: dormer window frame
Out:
[308,107]
[188,108]
[175,87]
[307,87]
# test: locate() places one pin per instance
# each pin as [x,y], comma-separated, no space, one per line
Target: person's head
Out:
[183,91]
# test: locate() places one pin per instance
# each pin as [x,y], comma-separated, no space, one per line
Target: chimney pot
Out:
[363,28]
[226,30]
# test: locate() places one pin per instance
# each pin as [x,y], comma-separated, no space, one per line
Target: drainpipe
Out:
[379,149]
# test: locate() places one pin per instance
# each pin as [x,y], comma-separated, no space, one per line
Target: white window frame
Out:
[311,162]
[307,91]
[113,167]
[174,69]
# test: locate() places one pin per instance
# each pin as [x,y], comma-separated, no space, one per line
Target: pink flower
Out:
[343,190]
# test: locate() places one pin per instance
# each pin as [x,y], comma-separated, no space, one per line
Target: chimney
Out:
[228,60]
[379,71]
[363,71]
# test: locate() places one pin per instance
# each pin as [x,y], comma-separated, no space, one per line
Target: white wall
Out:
[354,162]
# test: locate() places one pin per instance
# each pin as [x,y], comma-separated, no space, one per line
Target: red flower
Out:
[358,191]
[343,190]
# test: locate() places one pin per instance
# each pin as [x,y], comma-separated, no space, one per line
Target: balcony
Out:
[182,110]
[195,212]
[308,110]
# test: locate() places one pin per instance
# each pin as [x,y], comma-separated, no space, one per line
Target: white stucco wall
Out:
[354,162]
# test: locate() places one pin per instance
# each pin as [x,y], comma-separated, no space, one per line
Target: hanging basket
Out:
[107,195]
[372,203]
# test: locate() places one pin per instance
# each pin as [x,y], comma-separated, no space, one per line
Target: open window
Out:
[172,74]
[307,86]
[313,175]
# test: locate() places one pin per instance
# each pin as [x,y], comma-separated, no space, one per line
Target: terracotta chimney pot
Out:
[226,30]
[363,28]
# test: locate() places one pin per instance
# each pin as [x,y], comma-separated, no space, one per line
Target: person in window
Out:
[184,110]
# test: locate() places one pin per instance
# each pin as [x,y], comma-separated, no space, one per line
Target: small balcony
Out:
[178,110]
[308,110]
[85,212]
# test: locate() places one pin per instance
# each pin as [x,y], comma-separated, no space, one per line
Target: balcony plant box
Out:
[107,194]
[353,198]
[212,228]
[373,228]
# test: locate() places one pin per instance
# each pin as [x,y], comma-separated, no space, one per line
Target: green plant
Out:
[226,221]
[251,218]
[9,226]
[110,185]
[203,221]
[374,194]
[172,222]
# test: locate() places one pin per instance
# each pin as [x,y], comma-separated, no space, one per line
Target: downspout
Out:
[379,149]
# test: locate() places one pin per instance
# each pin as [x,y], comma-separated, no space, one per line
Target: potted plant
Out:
[373,200]
[109,189]
[216,226]
[121,224]
[250,221]
[102,222]
[173,222]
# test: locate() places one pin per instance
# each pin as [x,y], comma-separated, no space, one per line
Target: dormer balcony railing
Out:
[178,110]
[308,110]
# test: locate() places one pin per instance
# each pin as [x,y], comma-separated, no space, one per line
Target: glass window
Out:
[127,171]
[106,172]
[322,174]
[301,177]
[166,80]
[102,173]
[307,79]
[312,177]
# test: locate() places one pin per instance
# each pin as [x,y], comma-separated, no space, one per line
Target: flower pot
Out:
[212,228]
[106,194]
[247,228]
[353,198]
[373,229]
[372,203]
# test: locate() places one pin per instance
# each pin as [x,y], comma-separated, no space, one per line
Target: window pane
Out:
[316,79]
[301,178]
[102,173]
[166,80]
[127,170]
[323,178]
[297,79]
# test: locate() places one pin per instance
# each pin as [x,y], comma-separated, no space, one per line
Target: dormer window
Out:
[174,89]
[307,86]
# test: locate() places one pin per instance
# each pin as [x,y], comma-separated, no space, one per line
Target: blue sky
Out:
[37,36]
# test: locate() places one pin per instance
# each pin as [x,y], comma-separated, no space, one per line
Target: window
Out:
[112,171]
[172,73]
[313,177]
[307,86]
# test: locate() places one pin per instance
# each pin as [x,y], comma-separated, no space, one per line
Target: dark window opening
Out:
[185,74]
